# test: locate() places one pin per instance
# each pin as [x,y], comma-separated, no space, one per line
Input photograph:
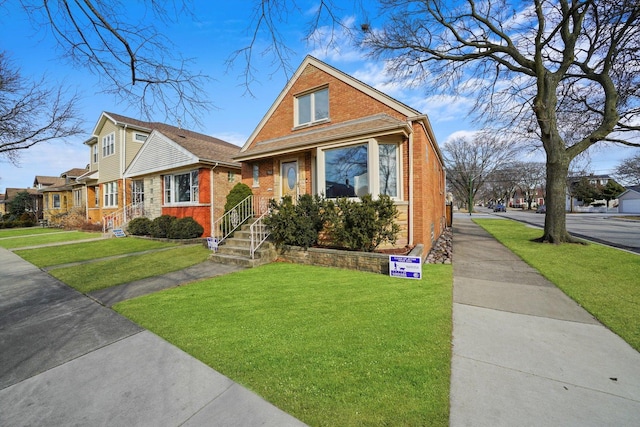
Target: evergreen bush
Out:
[140,226]
[160,226]
[185,228]
[238,193]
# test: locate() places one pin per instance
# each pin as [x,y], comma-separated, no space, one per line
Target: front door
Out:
[289,179]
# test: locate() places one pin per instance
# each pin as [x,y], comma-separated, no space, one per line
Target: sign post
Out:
[406,267]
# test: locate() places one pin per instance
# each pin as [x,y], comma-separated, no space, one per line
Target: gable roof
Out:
[371,125]
[169,148]
[74,173]
[47,181]
[334,72]
[629,192]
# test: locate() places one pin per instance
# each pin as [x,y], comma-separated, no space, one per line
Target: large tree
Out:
[123,45]
[562,72]
[32,112]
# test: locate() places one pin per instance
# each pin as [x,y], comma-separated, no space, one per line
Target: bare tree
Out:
[628,171]
[562,72]
[531,179]
[470,161]
[127,52]
[31,112]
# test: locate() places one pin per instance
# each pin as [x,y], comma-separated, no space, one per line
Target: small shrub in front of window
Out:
[160,226]
[296,225]
[364,225]
[185,228]
[140,226]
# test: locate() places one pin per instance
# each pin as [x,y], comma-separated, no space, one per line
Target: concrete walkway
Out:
[67,360]
[525,354]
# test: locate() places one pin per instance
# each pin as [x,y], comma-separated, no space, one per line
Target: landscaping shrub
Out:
[238,193]
[364,225]
[355,225]
[140,226]
[160,226]
[185,228]
[296,225]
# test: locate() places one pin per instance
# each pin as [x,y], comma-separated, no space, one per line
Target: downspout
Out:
[123,163]
[411,187]
[212,218]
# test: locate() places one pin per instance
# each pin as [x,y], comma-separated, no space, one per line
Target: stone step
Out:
[239,260]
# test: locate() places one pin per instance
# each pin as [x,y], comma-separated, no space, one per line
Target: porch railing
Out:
[120,217]
[259,233]
[251,207]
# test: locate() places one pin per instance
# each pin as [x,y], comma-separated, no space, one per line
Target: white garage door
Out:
[629,206]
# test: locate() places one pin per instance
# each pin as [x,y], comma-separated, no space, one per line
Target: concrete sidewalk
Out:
[67,360]
[525,354]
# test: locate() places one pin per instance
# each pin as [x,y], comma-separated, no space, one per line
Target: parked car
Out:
[541,209]
[499,208]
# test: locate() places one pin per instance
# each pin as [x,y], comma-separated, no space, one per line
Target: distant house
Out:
[35,204]
[330,134]
[573,204]
[58,194]
[629,201]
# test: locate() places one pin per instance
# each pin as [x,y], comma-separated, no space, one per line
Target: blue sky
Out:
[220,29]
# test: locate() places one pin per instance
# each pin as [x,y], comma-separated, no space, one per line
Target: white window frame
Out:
[55,197]
[170,195]
[109,145]
[256,175]
[77,197]
[373,163]
[140,137]
[95,153]
[110,194]
[313,107]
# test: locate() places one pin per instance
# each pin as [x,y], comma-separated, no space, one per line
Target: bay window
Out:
[355,170]
[181,188]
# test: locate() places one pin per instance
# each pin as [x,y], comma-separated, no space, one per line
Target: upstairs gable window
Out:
[312,107]
[95,153]
[109,144]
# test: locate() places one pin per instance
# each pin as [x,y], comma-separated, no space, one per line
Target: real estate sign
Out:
[407,267]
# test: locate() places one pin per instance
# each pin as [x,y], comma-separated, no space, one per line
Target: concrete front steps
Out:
[236,250]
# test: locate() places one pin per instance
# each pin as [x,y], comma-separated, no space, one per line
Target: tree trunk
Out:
[555,221]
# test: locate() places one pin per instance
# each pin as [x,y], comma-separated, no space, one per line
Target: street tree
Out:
[563,73]
[611,191]
[31,112]
[628,171]
[123,46]
[470,160]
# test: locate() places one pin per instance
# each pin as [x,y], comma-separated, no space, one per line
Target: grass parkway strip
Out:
[603,280]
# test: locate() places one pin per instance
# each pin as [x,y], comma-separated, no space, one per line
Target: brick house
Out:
[328,133]
[184,174]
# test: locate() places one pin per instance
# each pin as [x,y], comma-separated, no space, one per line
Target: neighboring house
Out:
[3,209]
[113,144]
[35,205]
[328,133]
[572,204]
[58,195]
[629,201]
[184,173]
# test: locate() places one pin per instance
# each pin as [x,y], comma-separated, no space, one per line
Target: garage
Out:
[629,201]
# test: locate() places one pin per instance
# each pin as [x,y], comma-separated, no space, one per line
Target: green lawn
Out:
[331,347]
[17,232]
[46,238]
[45,257]
[104,274]
[603,280]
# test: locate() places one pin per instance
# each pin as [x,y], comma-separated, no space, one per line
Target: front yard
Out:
[329,346]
